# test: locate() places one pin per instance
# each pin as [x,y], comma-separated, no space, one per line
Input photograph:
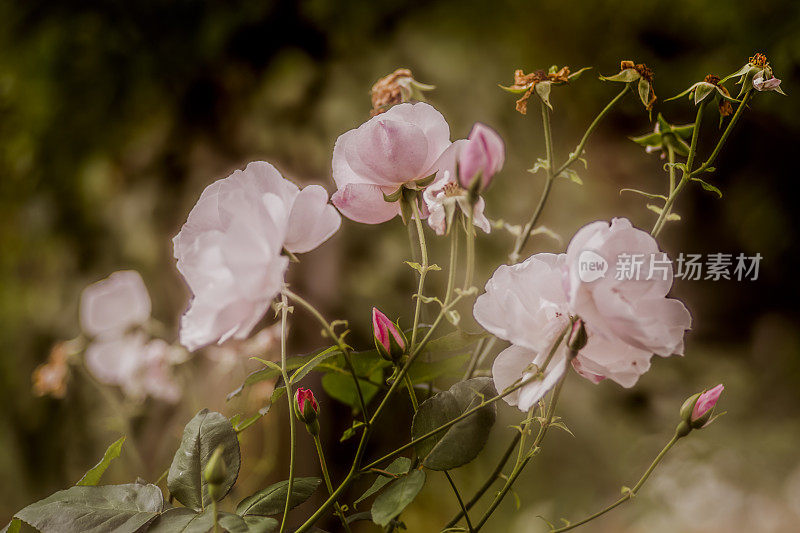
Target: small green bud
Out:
[216,470]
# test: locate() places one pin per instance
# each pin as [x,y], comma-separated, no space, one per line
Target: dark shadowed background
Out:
[115,115]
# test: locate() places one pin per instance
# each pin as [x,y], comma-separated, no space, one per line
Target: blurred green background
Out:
[115,115]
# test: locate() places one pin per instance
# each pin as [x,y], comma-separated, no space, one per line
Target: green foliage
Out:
[341,388]
[271,500]
[398,496]
[397,467]
[462,442]
[120,508]
[92,477]
[201,436]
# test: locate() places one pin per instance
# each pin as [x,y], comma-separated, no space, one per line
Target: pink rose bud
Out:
[577,337]
[306,409]
[389,340]
[705,404]
[482,156]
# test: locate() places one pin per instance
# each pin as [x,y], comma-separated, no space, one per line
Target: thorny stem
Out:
[628,494]
[326,476]
[574,156]
[423,248]
[290,399]
[343,347]
[523,459]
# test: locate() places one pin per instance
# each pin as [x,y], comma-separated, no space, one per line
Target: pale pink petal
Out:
[114,304]
[365,203]
[389,152]
[115,361]
[508,368]
[312,220]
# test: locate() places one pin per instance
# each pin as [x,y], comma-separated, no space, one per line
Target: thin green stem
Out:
[665,211]
[470,230]
[464,510]
[423,272]
[343,347]
[451,269]
[715,153]
[523,460]
[411,393]
[629,494]
[671,159]
[215,512]
[523,237]
[327,477]
[498,470]
[290,399]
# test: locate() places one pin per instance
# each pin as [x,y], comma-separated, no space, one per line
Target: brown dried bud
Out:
[51,377]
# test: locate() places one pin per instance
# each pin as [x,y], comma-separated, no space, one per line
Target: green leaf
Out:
[270,373]
[397,497]
[92,477]
[326,354]
[745,69]
[656,209]
[271,500]
[577,74]
[644,91]
[188,521]
[119,508]
[543,90]
[201,436]
[649,139]
[702,91]
[418,267]
[341,388]
[513,90]
[541,164]
[707,186]
[397,467]
[15,526]
[646,194]
[625,76]
[261,524]
[423,371]
[571,175]
[452,342]
[684,93]
[462,442]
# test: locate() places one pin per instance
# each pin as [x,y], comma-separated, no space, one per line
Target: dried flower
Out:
[50,378]
[630,72]
[398,87]
[541,82]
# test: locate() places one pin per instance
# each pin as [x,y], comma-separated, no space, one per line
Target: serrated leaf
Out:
[315,361]
[201,436]
[462,442]
[397,467]
[625,76]
[271,500]
[645,194]
[119,508]
[397,497]
[707,186]
[92,477]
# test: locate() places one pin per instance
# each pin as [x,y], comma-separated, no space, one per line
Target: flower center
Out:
[759,60]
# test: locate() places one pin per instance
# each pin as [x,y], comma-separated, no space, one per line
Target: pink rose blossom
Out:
[229,250]
[530,305]
[484,153]
[301,396]
[386,152]
[445,193]
[706,402]
[115,304]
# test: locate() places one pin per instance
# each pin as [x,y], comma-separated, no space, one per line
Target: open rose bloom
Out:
[531,304]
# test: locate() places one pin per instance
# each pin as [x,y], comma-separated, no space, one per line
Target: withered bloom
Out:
[50,378]
[630,72]
[398,87]
[725,107]
[540,81]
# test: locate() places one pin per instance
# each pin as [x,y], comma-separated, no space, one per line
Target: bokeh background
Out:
[115,115]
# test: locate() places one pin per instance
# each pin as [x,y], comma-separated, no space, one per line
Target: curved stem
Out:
[326,476]
[524,460]
[460,501]
[629,494]
[489,481]
[423,248]
[710,161]
[411,393]
[290,399]
[665,211]
[573,157]
[343,347]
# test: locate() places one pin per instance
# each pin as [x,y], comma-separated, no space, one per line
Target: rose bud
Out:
[481,157]
[306,409]
[698,408]
[577,337]
[389,340]
[215,471]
